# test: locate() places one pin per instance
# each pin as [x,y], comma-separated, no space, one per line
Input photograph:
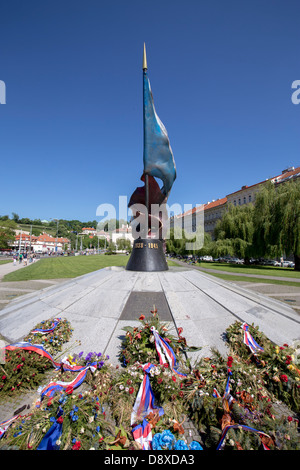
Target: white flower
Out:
[151,339]
[91,419]
[58,442]
[121,387]
[82,430]
[126,389]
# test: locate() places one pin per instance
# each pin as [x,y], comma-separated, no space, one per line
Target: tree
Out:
[277,220]
[123,244]
[234,232]
[16,217]
[7,233]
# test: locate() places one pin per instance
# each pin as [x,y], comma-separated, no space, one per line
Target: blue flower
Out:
[195,446]
[74,417]
[180,445]
[164,440]
[98,428]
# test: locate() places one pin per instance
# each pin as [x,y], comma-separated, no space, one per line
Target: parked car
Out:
[288,264]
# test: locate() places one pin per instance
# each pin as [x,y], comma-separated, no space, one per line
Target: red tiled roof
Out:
[275,179]
[218,202]
[88,228]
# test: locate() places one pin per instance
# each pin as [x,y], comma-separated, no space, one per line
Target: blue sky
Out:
[71,129]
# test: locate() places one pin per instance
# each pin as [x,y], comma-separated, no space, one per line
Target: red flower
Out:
[19,366]
[60,420]
[159,380]
[142,317]
[3,377]
[173,378]
[289,418]
[230,361]
[180,330]
[131,390]
[284,378]
[77,445]
[166,365]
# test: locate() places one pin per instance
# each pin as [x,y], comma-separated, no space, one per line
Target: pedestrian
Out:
[15,260]
[20,258]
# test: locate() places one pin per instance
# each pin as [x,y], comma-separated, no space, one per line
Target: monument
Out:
[148,203]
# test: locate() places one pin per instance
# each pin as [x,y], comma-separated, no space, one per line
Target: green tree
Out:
[15,216]
[234,232]
[7,233]
[277,220]
[123,244]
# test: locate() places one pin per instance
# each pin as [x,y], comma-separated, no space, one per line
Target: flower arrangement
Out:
[275,367]
[232,401]
[54,339]
[23,369]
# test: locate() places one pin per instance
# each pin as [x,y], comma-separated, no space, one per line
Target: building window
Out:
[244,199]
[234,202]
[249,197]
[239,202]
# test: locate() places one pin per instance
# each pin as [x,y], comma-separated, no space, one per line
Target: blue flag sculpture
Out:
[147,222]
[158,156]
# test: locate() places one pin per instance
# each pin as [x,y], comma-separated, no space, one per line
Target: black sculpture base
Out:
[147,255]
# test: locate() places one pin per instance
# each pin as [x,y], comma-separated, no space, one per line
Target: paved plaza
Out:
[100,304]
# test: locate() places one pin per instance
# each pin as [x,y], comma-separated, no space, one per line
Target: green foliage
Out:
[7,234]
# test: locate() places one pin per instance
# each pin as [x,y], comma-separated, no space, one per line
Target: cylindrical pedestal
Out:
[147,255]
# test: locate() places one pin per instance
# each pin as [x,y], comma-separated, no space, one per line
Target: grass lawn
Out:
[232,278]
[5,261]
[254,270]
[67,267]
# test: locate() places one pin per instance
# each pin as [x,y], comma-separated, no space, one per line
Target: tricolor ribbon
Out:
[250,341]
[145,400]
[142,433]
[58,386]
[165,352]
[38,349]
[5,425]
[48,330]
[239,426]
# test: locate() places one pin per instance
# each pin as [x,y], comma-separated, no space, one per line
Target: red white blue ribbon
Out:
[239,426]
[58,386]
[165,352]
[38,349]
[250,341]
[145,400]
[5,425]
[48,330]
[142,433]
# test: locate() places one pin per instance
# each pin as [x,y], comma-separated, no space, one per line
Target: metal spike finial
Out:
[145,59]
